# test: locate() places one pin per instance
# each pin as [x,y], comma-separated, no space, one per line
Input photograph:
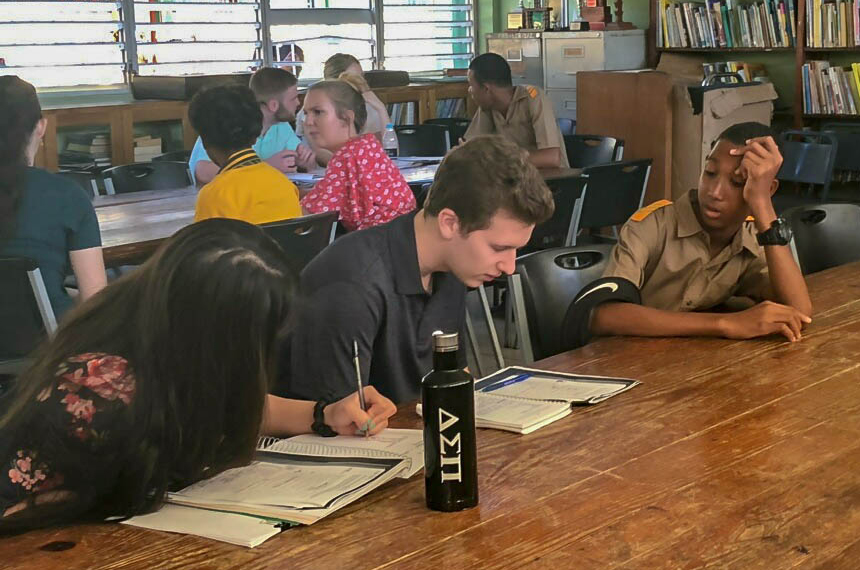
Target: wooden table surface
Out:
[134,224]
[731,454]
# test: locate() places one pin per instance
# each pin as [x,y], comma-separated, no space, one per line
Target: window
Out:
[181,38]
[317,29]
[62,42]
[427,35]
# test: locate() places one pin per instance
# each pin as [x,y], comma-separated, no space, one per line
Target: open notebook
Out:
[523,400]
[298,480]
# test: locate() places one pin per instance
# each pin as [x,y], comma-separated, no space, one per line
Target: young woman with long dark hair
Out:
[158,381]
[43,216]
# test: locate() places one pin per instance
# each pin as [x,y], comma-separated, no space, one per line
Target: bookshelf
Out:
[791,58]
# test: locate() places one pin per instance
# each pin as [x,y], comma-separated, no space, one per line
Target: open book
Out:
[306,478]
[523,400]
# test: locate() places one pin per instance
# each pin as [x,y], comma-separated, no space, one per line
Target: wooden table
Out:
[731,454]
[134,224]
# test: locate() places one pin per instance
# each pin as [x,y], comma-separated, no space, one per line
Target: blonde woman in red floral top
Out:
[360,182]
[158,381]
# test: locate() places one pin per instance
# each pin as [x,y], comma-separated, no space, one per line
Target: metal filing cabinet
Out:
[524,53]
[567,53]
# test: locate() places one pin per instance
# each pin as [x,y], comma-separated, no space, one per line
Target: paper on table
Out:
[304,176]
[514,412]
[408,443]
[543,388]
[227,527]
[303,485]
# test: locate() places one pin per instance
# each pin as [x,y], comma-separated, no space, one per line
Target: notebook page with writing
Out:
[392,442]
[571,389]
[516,414]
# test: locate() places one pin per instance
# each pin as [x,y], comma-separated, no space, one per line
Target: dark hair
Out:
[491,68]
[345,96]
[487,174]
[19,113]
[270,82]
[740,133]
[200,324]
[227,117]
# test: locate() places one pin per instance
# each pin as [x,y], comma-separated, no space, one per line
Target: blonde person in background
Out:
[377,114]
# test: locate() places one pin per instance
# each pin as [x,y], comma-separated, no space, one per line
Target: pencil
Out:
[361,400]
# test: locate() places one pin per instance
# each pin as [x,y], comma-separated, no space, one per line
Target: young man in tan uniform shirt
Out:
[693,255]
[522,114]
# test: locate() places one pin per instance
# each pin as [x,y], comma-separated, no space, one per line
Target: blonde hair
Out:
[356,81]
[345,97]
[337,64]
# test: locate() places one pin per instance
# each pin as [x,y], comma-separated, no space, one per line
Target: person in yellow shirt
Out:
[229,120]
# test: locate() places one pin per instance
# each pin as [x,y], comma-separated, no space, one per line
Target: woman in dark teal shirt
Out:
[43,216]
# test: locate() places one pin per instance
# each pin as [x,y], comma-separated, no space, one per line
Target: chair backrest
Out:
[808,158]
[613,192]
[566,126]
[548,282]
[825,235]
[847,144]
[456,127]
[422,140]
[26,315]
[303,238]
[589,150]
[86,180]
[163,175]
[175,156]
[557,231]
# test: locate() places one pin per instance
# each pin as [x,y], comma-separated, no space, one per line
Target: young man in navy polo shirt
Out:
[388,288]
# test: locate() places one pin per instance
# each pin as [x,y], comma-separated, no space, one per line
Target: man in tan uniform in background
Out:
[522,114]
[691,256]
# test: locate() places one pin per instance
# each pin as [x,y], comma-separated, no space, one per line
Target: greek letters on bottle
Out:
[449,449]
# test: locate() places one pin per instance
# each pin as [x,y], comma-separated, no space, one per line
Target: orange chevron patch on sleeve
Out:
[643,213]
[532,92]
[750,219]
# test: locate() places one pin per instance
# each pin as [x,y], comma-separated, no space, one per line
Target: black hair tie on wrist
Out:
[319,426]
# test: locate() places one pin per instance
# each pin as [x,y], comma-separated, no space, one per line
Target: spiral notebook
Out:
[306,478]
[523,400]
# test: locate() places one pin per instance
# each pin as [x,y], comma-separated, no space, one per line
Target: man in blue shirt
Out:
[277,92]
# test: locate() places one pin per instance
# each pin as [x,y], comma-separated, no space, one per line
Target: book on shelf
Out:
[721,24]
[748,72]
[146,148]
[833,23]
[523,400]
[830,90]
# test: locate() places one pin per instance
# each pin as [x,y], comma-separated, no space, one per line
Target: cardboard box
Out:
[666,115]
[700,114]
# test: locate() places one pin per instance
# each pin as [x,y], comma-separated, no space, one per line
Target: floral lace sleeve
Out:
[83,406]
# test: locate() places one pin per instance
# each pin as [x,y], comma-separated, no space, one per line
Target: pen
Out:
[361,401]
[507,382]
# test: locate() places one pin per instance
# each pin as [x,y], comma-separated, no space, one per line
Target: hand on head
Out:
[760,163]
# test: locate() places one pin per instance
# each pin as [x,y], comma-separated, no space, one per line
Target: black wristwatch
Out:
[779,233]
[319,426]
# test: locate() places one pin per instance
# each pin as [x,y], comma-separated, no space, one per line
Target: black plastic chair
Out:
[422,140]
[590,150]
[558,230]
[142,176]
[613,192]
[566,126]
[542,287]
[303,238]
[825,235]
[26,315]
[175,156]
[86,180]
[456,128]
[808,158]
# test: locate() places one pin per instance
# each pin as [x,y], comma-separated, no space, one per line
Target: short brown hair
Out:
[345,97]
[269,82]
[487,174]
[337,64]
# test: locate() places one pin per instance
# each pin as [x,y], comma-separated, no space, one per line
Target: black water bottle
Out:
[448,407]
